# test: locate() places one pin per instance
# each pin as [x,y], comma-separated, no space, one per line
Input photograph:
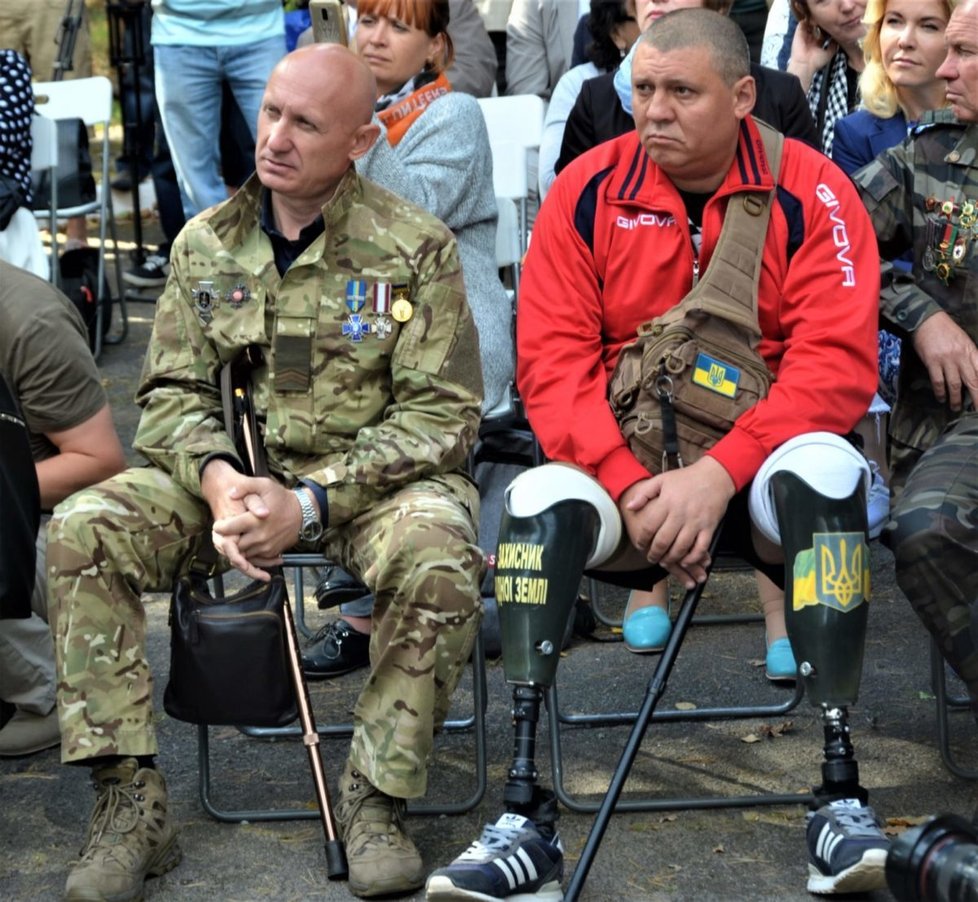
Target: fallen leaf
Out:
[685,706]
[719,849]
[894,826]
[769,731]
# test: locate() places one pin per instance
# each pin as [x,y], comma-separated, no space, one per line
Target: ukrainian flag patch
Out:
[716,375]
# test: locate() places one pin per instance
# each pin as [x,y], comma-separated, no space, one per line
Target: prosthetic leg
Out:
[816,485]
[556,522]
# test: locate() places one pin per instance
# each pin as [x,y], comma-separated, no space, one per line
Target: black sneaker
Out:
[336,649]
[847,849]
[510,859]
[152,274]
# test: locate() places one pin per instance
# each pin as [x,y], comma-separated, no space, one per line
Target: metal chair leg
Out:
[654,691]
[205,781]
[945,703]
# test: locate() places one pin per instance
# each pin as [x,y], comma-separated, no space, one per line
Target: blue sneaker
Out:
[511,861]
[780,663]
[646,630]
[847,849]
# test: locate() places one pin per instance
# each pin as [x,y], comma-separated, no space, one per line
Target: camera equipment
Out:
[128,43]
[937,862]
[66,37]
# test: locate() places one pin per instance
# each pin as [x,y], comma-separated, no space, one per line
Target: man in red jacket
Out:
[624,235]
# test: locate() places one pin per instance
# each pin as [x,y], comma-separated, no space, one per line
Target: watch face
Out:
[310,532]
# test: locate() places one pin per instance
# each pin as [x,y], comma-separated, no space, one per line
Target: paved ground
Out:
[749,853]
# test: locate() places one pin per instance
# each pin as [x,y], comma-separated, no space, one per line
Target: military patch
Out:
[834,572]
[356,327]
[715,375]
[205,295]
[402,310]
[382,298]
[383,328]
[238,295]
[356,295]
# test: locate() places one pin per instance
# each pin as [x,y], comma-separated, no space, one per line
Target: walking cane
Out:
[239,418]
[653,692]
[335,856]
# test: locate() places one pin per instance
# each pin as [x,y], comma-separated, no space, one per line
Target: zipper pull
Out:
[696,271]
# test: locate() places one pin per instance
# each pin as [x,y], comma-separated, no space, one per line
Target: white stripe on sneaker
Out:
[517,868]
[531,871]
[504,866]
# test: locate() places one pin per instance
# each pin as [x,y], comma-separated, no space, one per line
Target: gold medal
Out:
[402,310]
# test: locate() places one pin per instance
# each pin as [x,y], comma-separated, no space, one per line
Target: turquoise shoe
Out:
[780,662]
[646,630]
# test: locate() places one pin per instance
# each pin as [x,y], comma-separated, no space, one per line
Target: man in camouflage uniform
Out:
[369,396]
[924,195]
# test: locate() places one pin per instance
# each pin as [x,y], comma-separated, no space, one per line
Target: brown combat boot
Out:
[381,857]
[128,839]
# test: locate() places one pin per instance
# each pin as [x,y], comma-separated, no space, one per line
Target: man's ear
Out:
[745,96]
[363,139]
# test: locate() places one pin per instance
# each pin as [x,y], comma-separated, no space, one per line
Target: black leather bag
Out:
[229,660]
[228,656]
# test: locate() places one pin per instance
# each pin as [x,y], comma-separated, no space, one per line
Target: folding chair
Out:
[44,158]
[640,721]
[474,723]
[89,99]
[946,703]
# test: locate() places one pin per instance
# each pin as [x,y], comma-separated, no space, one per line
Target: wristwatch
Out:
[312,528]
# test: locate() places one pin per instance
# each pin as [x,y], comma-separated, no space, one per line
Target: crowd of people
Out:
[332,204]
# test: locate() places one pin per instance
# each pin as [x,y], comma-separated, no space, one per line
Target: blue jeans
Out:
[188,92]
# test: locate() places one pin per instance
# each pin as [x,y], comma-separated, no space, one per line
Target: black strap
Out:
[242,425]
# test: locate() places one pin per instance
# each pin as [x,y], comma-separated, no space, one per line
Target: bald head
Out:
[344,79]
[315,121]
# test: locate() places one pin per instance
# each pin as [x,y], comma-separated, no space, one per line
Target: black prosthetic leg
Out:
[539,563]
[826,595]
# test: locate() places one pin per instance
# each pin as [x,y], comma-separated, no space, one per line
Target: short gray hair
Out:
[685,28]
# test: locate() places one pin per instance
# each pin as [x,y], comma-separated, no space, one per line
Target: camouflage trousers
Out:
[933,533]
[133,533]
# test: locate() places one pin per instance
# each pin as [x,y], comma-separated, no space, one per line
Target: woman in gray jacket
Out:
[437,154]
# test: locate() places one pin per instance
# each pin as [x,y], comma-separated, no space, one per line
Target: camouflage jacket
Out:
[371,377]
[919,194]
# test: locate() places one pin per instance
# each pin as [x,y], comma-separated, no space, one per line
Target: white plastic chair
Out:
[509,180]
[88,99]
[516,119]
[44,158]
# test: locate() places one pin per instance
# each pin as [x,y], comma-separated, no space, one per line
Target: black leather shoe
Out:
[336,587]
[336,649]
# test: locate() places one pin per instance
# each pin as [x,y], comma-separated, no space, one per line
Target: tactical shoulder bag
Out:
[680,386]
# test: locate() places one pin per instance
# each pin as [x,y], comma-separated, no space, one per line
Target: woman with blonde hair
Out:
[903,48]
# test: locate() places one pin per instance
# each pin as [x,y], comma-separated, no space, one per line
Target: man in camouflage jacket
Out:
[369,396]
[923,195]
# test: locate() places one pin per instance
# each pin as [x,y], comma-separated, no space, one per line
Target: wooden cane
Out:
[336,868]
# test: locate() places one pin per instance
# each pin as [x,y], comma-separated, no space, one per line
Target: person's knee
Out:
[436,564]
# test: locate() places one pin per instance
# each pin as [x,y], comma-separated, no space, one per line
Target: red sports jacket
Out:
[611,248]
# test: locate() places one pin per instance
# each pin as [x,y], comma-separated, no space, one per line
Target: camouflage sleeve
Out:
[437,389]
[886,186]
[182,421]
